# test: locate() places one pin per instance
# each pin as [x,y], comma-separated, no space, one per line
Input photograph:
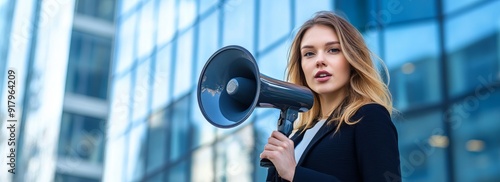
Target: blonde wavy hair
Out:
[365,86]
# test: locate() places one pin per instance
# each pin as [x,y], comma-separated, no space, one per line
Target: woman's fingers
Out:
[279,139]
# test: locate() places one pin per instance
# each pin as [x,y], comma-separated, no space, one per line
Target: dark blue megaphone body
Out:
[230,87]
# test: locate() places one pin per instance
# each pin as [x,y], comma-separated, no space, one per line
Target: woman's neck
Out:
[331,101]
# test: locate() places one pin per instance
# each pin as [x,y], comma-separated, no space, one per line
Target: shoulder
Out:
[372,110]
[372,116]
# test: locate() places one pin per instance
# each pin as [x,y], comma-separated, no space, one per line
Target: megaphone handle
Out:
[266,163]
[285,126]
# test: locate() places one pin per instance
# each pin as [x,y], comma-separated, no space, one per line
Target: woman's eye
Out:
[334,50]
[308,54]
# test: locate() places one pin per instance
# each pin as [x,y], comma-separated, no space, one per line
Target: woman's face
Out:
[325,68]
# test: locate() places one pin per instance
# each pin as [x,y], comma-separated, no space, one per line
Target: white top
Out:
[308,136]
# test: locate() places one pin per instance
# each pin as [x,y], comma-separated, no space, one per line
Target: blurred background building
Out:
[106,90]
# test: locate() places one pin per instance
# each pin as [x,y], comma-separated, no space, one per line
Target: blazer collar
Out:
[322,132]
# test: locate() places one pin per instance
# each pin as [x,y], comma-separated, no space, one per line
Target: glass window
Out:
[65,177]
[355,11]
[187,14]
[136,152]
[162,78]
[204,131]
[183,80]
[475,132]
[125,44]
[422,144]
[166,21]
[127,5]
[473,53]
[264,124]
[88,65]
[305,10]
[157,141]
[146,30]
[209,4]
[181,136]
[393,11]
[142,91]
[6,10]
[120,108]
[273,64]
[157,177]
[373,41]
[234,159]
[454,5]
[102,9]
[180,171]
[115,159]
[413,64]
[202,168]
[239,25]
[82,138]
[208,40]
[273,25]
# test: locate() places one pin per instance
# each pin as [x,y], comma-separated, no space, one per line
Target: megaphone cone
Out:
[230,87]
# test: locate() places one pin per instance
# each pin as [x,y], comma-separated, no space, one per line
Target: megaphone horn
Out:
[230,87]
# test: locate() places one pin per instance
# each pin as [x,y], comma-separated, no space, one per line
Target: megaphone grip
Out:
[266,163]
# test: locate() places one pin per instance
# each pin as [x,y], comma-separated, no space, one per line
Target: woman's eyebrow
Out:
[332,42]
[327,44]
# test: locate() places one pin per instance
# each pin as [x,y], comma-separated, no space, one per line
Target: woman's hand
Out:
[280,151]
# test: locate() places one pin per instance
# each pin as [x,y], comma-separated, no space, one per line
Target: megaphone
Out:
[230,87]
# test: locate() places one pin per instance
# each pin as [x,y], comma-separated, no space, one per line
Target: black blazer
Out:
[366,151]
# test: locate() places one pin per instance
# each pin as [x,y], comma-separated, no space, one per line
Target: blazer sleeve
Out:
[377,145]
[303,174]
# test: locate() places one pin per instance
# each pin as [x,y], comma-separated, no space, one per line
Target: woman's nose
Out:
[320,62]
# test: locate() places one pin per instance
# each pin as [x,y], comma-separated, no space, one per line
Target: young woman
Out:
[348,134]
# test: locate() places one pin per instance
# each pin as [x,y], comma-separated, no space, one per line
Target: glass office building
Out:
[60,52]
[443,58]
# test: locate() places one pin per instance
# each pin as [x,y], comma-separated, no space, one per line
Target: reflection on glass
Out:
[419,160]
[146,30]
[120,107]
[115,159]
[473,56]
[273,25]
[202,168]
[161,78]
[233,158]
[413,65]
[142,91]
[183,80]
[125,44]
[102,9]
[180,129]
[82,138]
[393,11]
[136,152]
[157,141]
[305,9]
[88,65]
[238,24]
[166,21]
[476,130]
[474,66]
[65,177]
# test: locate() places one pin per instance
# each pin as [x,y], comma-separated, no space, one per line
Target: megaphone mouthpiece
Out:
[241,89]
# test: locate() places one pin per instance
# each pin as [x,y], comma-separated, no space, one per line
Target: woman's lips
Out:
[322,76]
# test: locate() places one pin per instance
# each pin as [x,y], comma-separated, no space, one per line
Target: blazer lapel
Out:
[296,138]
[323,131]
